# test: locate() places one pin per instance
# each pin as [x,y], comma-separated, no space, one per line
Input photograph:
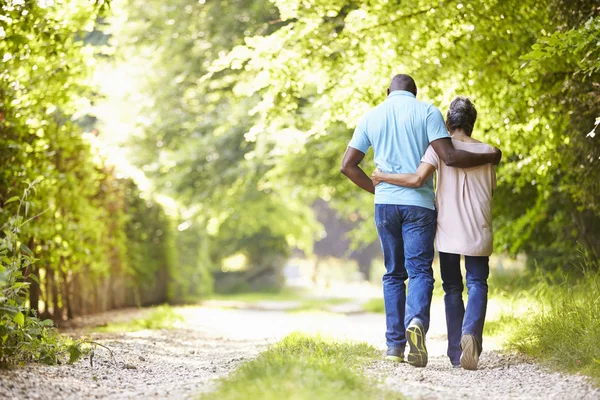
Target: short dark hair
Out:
[462,114]
[403,82]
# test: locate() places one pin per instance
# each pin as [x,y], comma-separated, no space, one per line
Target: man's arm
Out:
[350,168]
[415,180]
[463,159]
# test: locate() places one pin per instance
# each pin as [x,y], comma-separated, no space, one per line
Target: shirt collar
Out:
[396,93]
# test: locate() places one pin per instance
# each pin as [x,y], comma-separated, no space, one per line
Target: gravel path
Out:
[161,364]
[498,377]
[184,362]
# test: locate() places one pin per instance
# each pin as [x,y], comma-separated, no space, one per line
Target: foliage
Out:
[23,336]
[98,241]
[301,367]
[329,62]
[192,277]
[192,139]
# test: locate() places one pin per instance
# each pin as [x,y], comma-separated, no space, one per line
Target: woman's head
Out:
[461,115]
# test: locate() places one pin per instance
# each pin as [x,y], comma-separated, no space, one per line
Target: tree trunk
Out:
[67,294]
[76,291]
[34,292]
[56,308]
[34,286]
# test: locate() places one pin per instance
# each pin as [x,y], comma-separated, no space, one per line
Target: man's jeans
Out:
[458,321]
[406,234]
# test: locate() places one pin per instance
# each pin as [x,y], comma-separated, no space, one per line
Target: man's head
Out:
[461,115]
[403,82]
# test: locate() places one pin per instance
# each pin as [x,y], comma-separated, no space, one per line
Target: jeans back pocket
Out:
[380,214]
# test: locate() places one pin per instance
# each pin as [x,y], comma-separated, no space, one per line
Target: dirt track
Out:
[183,362]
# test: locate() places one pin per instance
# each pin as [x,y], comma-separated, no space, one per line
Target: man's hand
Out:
[377,177]
[350,168]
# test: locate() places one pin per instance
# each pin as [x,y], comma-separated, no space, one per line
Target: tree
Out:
[194,143]
[331,61]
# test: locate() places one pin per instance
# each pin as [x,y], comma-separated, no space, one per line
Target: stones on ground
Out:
[174,370]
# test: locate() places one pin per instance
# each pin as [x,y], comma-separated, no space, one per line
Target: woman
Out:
[464,227]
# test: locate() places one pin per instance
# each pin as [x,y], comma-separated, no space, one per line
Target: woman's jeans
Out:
[458,321]
[406,234]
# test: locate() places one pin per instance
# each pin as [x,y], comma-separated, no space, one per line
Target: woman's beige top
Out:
[464,203]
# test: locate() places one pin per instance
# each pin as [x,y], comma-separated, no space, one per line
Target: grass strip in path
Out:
[305,368]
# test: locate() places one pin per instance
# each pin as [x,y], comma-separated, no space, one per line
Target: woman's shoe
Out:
[470,352]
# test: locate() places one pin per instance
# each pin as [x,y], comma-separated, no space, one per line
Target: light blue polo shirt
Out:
[399,130]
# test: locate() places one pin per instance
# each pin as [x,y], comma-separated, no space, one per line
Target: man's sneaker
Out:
[395,354]
[470,352]
[415,335]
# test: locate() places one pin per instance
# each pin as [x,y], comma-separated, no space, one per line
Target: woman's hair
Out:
[461,115]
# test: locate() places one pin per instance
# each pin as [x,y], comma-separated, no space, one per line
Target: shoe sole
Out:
[394,359]
[469,357]
[417,355]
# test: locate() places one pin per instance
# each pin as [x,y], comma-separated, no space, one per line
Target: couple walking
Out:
[410,141]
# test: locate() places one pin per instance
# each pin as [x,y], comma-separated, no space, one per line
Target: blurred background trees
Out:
[531,68]
[98,245]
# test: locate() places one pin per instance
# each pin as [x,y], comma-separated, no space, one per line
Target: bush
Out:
[23,336]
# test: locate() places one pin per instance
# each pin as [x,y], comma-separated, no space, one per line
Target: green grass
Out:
[499,327]
[305,368]
[561,326]
[375,306]
[564,330]
[255,297]
[161,317]
[318,305]
[305,303]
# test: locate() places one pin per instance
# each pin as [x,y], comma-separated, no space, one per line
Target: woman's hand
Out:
[377,177]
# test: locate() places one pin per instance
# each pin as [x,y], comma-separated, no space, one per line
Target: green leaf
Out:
[12,199]
[74,353]
[10,310]
[19,318]
[19,285]
[26,250]
[34,278]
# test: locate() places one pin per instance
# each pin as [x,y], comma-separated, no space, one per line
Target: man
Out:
[400,130]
